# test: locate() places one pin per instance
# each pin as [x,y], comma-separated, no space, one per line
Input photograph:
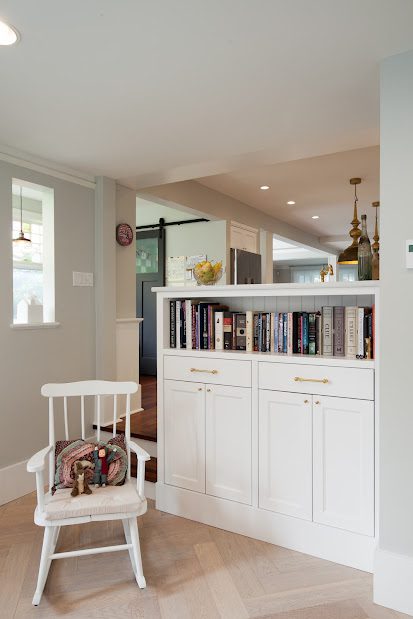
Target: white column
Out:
[105,283]
[393,576]
[267,265]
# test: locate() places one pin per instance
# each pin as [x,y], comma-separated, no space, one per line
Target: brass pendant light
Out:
[375,261]
[21,239]
[350,255]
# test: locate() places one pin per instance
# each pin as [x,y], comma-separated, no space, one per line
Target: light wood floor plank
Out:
[13,573]
[224,592]
[196,590]
[192,571]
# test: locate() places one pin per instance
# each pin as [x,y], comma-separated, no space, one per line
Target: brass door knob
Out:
[305,401]
[317,402]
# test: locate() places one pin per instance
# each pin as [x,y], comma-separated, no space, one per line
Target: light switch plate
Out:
[82,279]
[409,254]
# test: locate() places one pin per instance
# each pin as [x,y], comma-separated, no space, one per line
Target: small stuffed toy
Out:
[81,486]
[103,456]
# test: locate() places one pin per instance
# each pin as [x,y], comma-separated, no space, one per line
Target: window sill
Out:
[34,325]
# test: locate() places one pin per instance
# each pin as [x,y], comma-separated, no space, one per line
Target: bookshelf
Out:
[262,443]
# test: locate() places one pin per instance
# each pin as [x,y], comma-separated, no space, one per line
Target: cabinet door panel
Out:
[285,453]
[184,411]
[344,463]
[228,442]
[244,239]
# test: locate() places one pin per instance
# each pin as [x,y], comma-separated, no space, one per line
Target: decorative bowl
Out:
[208,273]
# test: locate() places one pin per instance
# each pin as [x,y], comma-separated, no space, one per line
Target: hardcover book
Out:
[178,322]
[312,333]
[249,321]
[318,334]
[350,342]
[305,334]
[296,319]
[183,325]
[289,333]
[327,317]
[338,331]
[219,330]
[172,324]
[228,328]
[241,331]
[361,332]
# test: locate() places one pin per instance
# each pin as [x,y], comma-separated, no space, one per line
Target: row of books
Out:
[333,331]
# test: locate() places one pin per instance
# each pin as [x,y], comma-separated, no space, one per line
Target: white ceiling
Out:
[288,252]
[152,92]
[319,186]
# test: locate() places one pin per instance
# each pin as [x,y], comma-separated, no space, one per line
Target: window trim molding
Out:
[34,325]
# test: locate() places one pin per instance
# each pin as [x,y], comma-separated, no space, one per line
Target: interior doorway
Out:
[150,272]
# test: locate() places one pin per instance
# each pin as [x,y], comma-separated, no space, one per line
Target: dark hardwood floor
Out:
[143,424]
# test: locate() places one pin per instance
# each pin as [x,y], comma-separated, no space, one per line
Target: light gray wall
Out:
[30,358]
[396,333]
[126,256]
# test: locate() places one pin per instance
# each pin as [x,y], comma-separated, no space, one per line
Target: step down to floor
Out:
[142,425]
[150,468]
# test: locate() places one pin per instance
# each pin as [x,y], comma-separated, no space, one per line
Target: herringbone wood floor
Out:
[192,571]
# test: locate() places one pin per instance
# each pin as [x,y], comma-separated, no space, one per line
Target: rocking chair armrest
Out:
[141,454]
[142,457]
[37,462]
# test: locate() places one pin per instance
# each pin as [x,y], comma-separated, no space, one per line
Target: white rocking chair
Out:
[110,503]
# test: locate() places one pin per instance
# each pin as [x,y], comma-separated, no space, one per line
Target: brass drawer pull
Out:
[300,379]
[205,371]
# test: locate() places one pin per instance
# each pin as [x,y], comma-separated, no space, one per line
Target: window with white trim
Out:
[33,253]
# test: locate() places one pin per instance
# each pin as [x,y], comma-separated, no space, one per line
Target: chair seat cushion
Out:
[108,500]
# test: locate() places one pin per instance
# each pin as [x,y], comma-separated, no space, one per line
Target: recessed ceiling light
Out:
[315,217]
[290,202]
[8,34]
[264,187]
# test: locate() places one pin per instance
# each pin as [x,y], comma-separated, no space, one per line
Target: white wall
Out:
[126,256]
[30,358]
[148,212]
[220,206]
[208,237]
[394,566]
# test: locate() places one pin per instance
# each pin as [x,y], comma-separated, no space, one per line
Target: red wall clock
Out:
[124,234]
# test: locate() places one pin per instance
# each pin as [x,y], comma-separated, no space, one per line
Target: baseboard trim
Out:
[304,536]
[15,482]
[393,578]
[150,491]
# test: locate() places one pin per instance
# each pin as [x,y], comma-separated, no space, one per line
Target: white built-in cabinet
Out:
[202,451]
[243,237]
[228,442]
[277,447]
[185,435]
[285,453]
[316,458]
[343,463]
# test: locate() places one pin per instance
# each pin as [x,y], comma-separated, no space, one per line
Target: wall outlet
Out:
[409,254]
[82,279]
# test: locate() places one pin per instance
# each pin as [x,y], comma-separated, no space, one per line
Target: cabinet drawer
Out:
[318,379]
[208,370]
